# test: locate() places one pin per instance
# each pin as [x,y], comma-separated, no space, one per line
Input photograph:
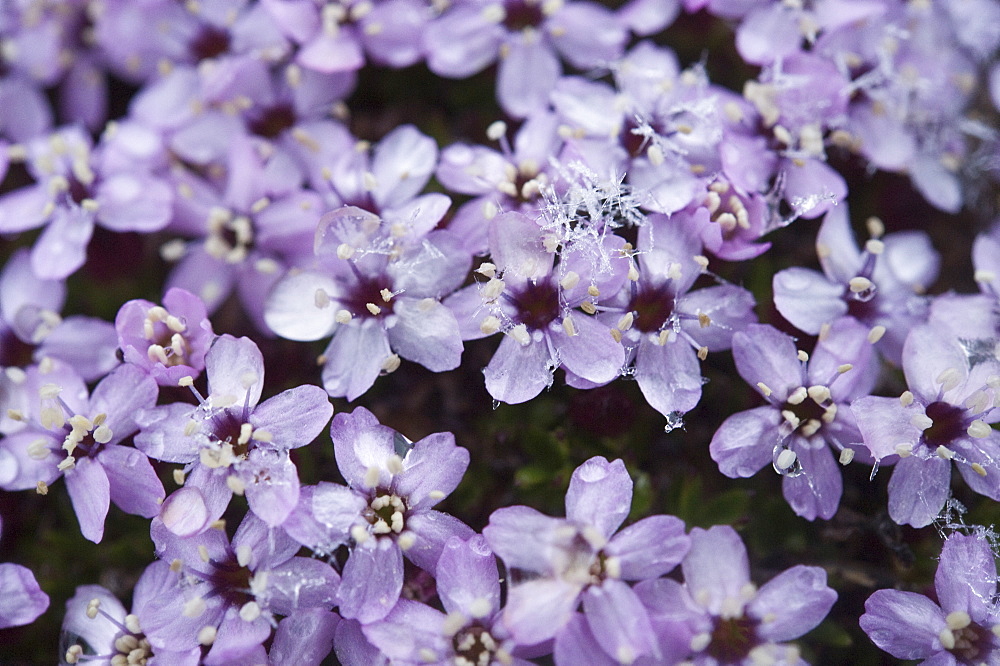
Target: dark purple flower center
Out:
[475,645]
[521,14]
[230,581]
[806,410]
[272,121]
[732,639]
[634,142]
[949,424]
[225,427]
[210,42]
[77,191]
[537,304]
[365,298]
[652,306]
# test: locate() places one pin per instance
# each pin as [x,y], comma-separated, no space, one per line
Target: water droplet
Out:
[675,420]
[785,462]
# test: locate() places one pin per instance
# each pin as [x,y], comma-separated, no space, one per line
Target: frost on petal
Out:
[885,424]
[918,490]
[517,373]
[432,470]
[432,530]
[904,624]
[599,494]
[966,578]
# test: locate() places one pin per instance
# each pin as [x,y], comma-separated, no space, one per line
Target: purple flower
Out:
[169,341]
[31,327]
[470,628]
[807,412]
[73,192]
[960,626]
[225,594]
[944,416]
[533,301]
[377,288]
[878,286]
[730,620]
[558,563]
[70,434]
[21,600]
[386,513]
[528,37]
[229,443]
[97,627]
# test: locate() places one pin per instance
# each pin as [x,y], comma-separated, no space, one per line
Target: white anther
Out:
[568,326]
[904,450]
[846,456]
[489,325]
[874,246]
[859,284]
[321,299]
[798,396]
[802,356]
[492,290]
[236,484]
[391,364]
[810,427]
[497,130]
[844,368]
[786,459]
[206,635]
[944,452]
[979,429]
[947,639]
[342,316]
[625,323]
[949,379]
[369,182]
[978,469]
[520,333]
[374,309]
[921,421]
[764,389]
[394,464]
[655,154]
[958,620]
[790,416]
[488,269]
[345,251]
[194,607]
[819,393]
[570,280]
[372,476]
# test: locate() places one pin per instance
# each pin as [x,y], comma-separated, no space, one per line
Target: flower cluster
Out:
[573,209]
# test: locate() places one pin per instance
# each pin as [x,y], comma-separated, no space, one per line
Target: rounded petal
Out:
[904,624]
[599,494]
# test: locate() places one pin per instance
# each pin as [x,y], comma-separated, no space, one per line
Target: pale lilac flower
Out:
[386,513]
[31,327]
[556,564]
[731,620]
[879,285]
[230,443]
[167,341]
[470,628]
[226,594]
[21,599]
[97,629]
[665,326]
[337,36]
[249,232]
[528,37]
[72,193]
[70,434]
[533,302]
[959,626]
[377,288]
[944,416]
[807,412]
